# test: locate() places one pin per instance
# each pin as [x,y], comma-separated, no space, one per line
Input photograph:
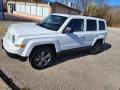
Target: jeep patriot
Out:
[40,42]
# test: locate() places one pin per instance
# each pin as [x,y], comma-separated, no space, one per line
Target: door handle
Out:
[96,35]
[83,36]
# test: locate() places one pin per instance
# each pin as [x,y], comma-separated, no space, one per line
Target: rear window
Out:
[101,25]
[91,25]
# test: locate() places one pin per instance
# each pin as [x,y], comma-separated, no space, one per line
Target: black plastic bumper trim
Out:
[14,55]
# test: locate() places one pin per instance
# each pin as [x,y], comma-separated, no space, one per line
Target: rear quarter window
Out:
[101,25]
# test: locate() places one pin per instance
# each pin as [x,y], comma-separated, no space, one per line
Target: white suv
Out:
[40,42]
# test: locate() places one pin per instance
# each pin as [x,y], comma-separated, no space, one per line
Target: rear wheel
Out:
[96,48]
[41,57]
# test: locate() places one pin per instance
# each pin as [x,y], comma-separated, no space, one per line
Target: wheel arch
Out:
[33,44]
[98,40]
[51,46]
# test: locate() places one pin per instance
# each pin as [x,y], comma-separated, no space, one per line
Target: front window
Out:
[53,22]
[76,24]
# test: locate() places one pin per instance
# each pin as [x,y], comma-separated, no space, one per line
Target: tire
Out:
[97,48]
[41,57]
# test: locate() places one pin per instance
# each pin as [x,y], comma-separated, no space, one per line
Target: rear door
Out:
[91,31]
[102,29]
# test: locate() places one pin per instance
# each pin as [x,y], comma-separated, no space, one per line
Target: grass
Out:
[4,25]
[3,86]
[2,30]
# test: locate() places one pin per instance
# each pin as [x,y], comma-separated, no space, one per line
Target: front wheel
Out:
[96,48]
[41,57]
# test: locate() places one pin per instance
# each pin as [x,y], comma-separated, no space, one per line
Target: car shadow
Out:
[72,55]
[8,81]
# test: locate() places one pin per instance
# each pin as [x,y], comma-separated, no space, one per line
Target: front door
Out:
[75,39]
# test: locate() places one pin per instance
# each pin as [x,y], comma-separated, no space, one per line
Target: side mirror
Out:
[68,30]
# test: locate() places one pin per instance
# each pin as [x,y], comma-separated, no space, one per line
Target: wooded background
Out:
[98,8]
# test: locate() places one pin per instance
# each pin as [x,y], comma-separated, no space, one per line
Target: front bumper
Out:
[12,55]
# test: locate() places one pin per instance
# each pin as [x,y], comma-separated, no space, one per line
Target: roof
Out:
[64,15]
[75,16]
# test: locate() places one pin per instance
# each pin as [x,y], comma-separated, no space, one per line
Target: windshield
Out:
[53,22]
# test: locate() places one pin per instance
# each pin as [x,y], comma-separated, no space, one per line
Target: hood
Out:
[29,29]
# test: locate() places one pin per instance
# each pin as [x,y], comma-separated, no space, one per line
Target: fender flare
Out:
[96,39]
[33,43]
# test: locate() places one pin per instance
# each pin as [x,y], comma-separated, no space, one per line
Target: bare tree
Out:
[86,4]
[98,8]
[113,16]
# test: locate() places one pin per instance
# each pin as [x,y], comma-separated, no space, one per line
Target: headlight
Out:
[13,39]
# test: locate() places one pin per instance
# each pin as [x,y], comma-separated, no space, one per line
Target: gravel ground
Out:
[73,71]
[3,86]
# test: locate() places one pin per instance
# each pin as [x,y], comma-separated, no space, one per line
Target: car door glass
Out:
[91,25]
[101,25]
[76,24]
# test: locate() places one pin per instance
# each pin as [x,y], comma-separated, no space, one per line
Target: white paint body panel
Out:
[32,35]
